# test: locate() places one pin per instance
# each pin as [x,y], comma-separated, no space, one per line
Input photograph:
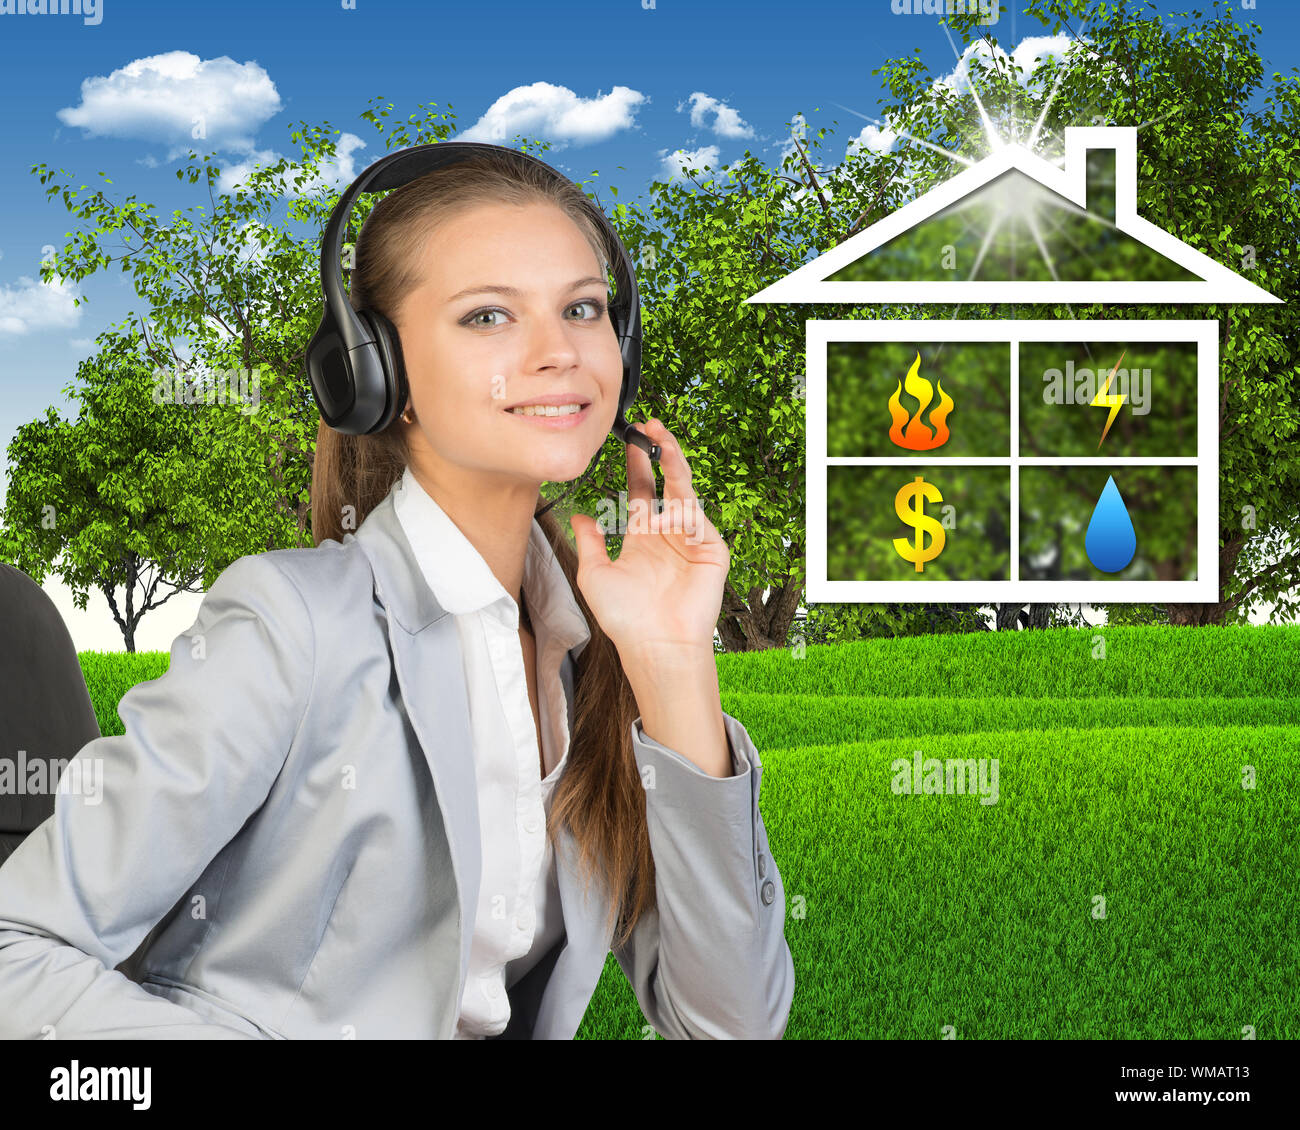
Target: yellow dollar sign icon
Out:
[909,504]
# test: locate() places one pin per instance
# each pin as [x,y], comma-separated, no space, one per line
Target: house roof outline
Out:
[1215,283]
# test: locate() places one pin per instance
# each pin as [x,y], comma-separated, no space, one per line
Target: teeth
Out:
[547,409]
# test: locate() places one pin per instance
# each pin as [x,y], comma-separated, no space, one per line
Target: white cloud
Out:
[33,305]
[1028,54]
[726,121]
[337,172]
[872,137]
[341,170]
[555,113]
[234,175]
[676,163]
[1031,51]
[167,97]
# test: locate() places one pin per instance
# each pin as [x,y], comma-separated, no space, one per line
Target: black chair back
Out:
[45,708]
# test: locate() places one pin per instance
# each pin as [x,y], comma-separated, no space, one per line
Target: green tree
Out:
[232,282]
[118,498]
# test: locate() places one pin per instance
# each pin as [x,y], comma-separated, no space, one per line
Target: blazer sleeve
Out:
[203,745]
[711,961]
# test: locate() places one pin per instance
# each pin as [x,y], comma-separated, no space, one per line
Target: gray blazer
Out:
[292,812]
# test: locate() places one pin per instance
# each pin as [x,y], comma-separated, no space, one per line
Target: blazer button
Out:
[769,893]
[762,865]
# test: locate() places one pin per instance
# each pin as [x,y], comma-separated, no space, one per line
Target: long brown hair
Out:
[599,796]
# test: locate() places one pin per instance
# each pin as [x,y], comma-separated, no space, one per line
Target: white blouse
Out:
[518,917]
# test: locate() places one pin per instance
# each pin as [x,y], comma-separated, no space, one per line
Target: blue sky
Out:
[610,84]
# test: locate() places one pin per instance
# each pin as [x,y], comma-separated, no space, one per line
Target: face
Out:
[472,358]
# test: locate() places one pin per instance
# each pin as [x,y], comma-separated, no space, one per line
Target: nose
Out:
[551,343]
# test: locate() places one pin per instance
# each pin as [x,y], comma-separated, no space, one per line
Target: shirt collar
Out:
[462,582]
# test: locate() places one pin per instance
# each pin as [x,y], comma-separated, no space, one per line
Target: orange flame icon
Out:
[916,436]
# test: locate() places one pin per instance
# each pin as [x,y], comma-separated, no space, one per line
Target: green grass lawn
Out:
[1120,779]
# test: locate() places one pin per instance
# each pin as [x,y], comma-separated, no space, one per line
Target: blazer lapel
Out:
[431,673]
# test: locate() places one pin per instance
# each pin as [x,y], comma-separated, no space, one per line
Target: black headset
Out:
[354,360]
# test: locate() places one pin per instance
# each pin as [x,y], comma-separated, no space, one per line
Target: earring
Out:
[406,414]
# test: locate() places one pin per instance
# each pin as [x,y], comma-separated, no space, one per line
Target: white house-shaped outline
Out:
[1215,282]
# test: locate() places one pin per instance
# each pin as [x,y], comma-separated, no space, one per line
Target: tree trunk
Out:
[751,623]
[1199,615]
[1008,616]
[1040,615]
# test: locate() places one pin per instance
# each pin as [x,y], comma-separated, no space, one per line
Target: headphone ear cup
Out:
[389,344]
[630,353]
[631,373]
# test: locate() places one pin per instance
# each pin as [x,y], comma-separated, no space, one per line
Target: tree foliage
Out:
[118,498]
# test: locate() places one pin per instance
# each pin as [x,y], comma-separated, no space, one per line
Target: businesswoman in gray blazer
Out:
[419,780]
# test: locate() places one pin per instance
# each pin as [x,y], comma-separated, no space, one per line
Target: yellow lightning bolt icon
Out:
[1113,401]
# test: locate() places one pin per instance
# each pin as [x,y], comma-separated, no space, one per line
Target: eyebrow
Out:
[514,292]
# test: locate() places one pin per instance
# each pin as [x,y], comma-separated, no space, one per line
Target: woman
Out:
[419,780]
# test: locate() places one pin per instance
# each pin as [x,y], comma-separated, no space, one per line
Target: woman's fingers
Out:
[677,471]
[681,511]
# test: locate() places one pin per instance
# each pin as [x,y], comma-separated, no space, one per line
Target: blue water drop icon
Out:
[1110,541]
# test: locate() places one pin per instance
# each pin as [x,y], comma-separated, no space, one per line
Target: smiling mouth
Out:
[553,417]
[547,409]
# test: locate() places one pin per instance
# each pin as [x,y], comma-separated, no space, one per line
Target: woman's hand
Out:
[659,604]
[663,594]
